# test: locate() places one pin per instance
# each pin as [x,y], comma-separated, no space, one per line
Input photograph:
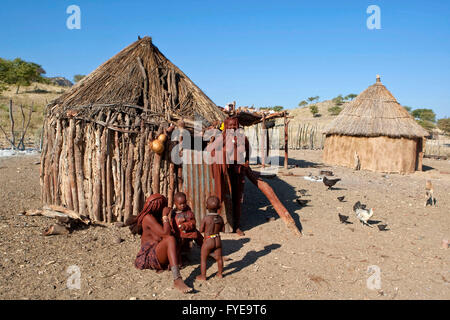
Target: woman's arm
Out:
[161,231]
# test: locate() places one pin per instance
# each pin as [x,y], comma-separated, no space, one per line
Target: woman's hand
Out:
[166,212]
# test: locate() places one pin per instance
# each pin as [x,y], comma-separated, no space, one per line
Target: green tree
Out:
[427,125]
[424,115]
[302,103]
[311,99]
[20,73]
[3,87]
[78,77]
[350,96]
[444,125]
[277,108]
[314,109]
[409,109]
[338,101]
[335,110]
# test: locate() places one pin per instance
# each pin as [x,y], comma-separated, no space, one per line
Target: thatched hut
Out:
[96,157]
[374,132]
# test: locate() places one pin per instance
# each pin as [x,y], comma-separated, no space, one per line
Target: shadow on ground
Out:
[230,246]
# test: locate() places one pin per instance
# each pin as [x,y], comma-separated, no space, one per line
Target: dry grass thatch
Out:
[138,76]
[375,112]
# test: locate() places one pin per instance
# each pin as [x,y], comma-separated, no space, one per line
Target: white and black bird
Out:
[362,213]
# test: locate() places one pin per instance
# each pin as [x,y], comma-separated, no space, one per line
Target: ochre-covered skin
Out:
[382,154]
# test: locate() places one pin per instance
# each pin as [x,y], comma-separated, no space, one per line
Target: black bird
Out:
[343,218]
[139,37]
[382,227]
[330,182]
[359,205]
[341,198]
[302,202]
[302,191]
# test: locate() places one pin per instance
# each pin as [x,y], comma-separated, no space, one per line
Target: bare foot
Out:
[181,286]
[159,271]
[240,232]
[200,277]
[219,275]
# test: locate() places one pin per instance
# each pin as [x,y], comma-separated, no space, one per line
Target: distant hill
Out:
[60,81]
[38,95]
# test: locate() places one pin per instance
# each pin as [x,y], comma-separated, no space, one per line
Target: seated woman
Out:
[158,245]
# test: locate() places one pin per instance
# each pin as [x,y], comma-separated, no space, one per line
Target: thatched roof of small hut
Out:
[138,78]
[375,112]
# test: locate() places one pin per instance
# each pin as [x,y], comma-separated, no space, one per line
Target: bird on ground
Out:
[382,227]
[302,202]
[358,205]
[330,182]
[343,218]
[302,191]
[341,198]
[363,214]
[326,173]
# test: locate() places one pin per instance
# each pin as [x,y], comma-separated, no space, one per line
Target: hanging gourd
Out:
[162,137]
[157,146]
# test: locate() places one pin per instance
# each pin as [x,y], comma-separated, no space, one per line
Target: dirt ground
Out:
[330,261]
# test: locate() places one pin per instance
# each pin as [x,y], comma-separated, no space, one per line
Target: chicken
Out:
[330,182]
[302,202]
[382,227]
[358,205]
[431,200]
[343,218]
[326,173]
[341,199]
[363,214]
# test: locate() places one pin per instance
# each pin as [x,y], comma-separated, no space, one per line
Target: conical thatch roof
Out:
[375,112]
[120,82]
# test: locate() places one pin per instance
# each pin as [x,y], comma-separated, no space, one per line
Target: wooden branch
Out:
[11,117]
[79,168]
[24,130]
[70,213]
[144,75]
[71,164]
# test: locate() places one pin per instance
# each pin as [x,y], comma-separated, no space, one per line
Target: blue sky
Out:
[260,53]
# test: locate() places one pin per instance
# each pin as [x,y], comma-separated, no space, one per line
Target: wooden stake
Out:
[286,147]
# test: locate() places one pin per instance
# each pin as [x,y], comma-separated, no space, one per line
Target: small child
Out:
[212,225]
[184,224]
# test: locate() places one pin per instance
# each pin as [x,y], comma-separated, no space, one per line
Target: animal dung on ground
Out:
[330,182]
[382,227]
[326,173]
[341,198]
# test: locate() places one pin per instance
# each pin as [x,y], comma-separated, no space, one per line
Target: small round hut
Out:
[96,158]
[374,132]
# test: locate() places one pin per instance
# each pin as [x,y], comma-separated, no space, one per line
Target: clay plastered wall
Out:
[381,154]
